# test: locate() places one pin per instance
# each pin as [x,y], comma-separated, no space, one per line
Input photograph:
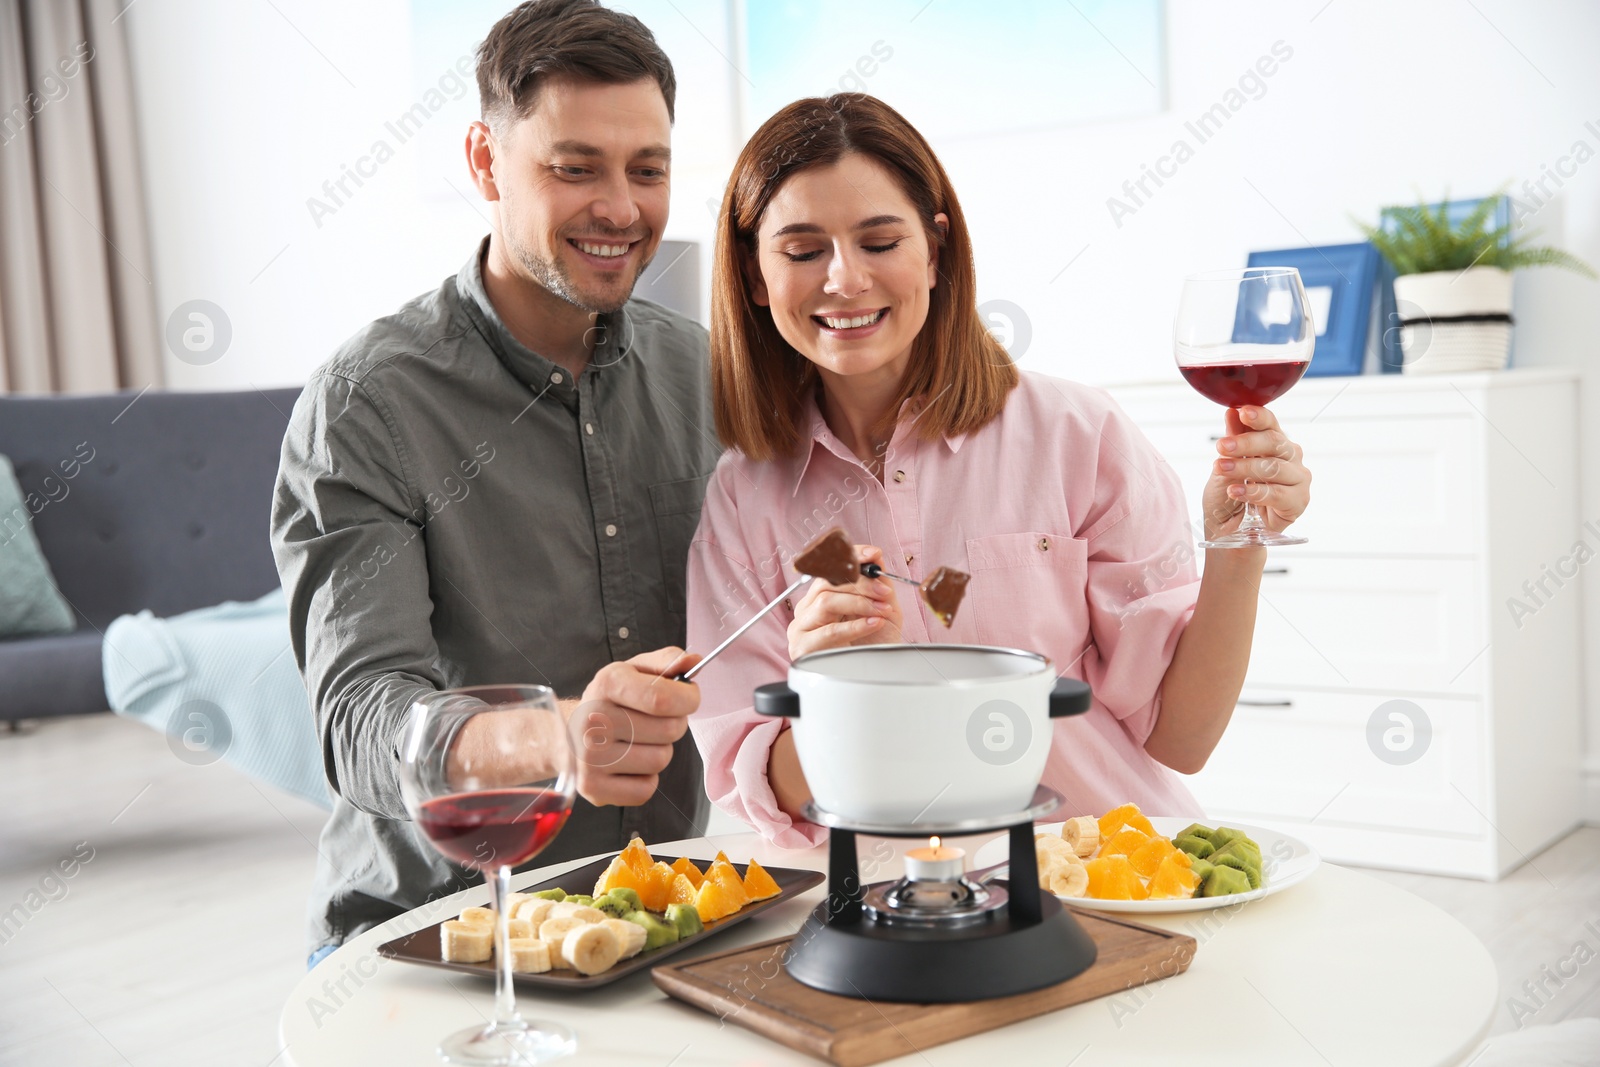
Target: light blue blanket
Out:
[221,683]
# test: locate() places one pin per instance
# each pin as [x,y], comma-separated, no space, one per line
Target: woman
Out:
[856,386]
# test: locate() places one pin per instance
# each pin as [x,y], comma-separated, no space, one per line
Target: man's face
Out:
[582,184]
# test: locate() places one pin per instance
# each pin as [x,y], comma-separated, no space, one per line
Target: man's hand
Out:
[626,723]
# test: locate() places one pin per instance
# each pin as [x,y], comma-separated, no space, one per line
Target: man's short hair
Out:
[544,38]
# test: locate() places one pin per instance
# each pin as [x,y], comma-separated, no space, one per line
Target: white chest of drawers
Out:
[1441,572]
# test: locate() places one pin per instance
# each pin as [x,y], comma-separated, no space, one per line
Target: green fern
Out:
[1423,240]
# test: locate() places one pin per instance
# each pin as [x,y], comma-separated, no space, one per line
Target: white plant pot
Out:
[1454,321]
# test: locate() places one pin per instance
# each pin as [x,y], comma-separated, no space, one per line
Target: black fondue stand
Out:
[1026,941]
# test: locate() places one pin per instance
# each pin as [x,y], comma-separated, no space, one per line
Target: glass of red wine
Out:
[1244,336]
[488,773]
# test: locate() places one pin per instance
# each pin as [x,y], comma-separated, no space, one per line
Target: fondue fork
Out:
[688,675]
[872,570]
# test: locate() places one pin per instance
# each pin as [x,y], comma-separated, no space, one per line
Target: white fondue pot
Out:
[905,735]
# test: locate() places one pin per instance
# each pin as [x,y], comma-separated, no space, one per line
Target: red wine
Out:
[1237,384]
[501,826]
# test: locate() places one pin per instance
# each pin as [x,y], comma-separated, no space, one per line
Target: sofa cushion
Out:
[44,676]
[155,500]
[29,600]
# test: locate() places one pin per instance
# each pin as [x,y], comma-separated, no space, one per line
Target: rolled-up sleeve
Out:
[1142,580]
[347,536]
[725,590]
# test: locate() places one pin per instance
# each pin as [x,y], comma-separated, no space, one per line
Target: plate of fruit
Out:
[606,919]
[1129,862]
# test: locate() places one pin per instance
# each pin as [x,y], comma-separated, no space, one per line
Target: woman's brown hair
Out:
[759,383]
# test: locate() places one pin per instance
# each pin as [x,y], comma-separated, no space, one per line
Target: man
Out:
[499,482]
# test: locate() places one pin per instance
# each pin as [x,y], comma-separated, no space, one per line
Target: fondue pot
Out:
[911,734]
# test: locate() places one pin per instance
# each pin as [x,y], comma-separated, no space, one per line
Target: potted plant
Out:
[1453,284]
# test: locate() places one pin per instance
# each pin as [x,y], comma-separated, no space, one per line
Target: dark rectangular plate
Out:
[423,946]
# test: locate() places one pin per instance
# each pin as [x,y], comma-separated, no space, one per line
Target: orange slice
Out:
[681,891]
[685,866]
[1113,878]
[619,876]
[1147,857]
[758,883]
[1123,842]
[1125,815]
[716,898]
[1173,880]
[637,855]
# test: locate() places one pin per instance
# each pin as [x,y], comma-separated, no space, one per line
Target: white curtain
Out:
[77,303]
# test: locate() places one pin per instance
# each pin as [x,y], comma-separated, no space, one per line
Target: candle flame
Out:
[933,842]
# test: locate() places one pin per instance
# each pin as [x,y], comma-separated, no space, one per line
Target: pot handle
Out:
[1069,697]
[776,698]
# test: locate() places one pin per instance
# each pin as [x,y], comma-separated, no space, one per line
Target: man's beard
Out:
[553,276]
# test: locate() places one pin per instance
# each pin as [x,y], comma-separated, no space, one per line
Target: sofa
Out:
[165,509]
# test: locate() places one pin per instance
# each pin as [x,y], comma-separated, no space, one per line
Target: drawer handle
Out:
[1275,570]
[1245,702]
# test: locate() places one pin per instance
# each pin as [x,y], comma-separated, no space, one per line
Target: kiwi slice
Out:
[1195,846]
[1195,829]
[1239,863]
[657,931]
[551,894]
[686,918]
[1225,881]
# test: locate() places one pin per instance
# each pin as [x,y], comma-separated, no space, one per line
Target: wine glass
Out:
[1244,336]
[489,773]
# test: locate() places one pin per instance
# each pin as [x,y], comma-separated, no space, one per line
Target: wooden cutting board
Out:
[749,987]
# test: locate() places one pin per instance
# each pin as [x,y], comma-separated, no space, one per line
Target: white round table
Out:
[1340,969]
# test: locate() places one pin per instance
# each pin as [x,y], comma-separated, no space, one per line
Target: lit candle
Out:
[935,863]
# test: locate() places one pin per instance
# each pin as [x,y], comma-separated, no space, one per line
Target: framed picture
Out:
[1389,356]
[1338,281]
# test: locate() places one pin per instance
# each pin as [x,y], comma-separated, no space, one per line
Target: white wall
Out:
[243,120]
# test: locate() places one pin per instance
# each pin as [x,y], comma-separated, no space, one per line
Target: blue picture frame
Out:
[1347,274]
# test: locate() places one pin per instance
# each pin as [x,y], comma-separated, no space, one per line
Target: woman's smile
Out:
[850,325]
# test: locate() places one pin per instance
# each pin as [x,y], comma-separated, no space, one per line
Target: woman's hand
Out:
[866,612]
[1256,449]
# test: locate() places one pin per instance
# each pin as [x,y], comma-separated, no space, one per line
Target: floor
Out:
[179,931]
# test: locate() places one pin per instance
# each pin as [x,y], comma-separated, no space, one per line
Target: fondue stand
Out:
[937,935]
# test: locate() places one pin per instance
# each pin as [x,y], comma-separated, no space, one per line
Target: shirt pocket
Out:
[676,506]
[1030,591]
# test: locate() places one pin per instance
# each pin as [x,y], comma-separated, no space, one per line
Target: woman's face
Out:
[846,268]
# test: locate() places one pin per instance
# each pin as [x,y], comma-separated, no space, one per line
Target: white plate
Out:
[1285,860]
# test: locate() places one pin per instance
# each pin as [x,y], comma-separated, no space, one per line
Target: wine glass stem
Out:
[1252,517]
[505,995]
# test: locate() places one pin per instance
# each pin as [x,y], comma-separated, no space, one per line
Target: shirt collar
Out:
[818,435]
[529,367]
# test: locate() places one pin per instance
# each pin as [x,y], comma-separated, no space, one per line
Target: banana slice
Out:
[480,916]
[562,909]
[463,942]
[529,955]
[517,928]
[1051,843]
[1083,834]
[535,909]
[630,935]
[1069,880]
[590,948]
[553,931]
[513,899]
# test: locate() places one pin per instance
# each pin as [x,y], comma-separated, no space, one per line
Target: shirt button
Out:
[588,428]
[556,378]
[622,632]
[1044,544]
[611,531]
[909,558]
